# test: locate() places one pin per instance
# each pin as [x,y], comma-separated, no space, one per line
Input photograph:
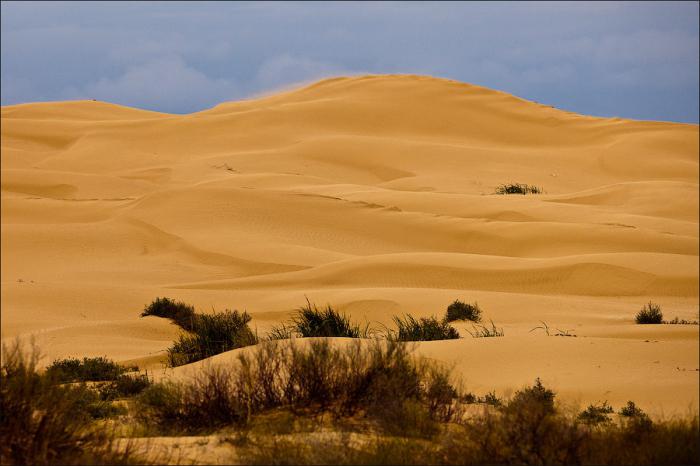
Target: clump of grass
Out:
[43,421]
[518,188]
[481,331]
[423,329]
[310,321]
[87,369]
[459,310]
[212,334]
[650,314]
[596,414]
[180,313]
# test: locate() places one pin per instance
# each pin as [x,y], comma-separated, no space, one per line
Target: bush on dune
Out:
[310,321]
[423,329]
[180,313]
[518,188]
[89,369]
[212,334]
[463,311]
[204,335]
[650,314]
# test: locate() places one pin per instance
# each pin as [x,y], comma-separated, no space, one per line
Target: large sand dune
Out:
[375,194]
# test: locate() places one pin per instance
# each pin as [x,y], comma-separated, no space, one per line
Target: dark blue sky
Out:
[634,60]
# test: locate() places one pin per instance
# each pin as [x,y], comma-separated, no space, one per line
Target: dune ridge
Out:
[374,193]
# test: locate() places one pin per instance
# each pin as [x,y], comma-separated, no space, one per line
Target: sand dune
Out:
[376,194]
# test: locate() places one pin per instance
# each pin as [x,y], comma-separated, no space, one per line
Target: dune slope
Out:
[373,193]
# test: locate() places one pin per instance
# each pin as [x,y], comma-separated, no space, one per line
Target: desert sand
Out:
[374,194]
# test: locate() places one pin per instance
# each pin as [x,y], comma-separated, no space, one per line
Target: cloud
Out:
[167,84]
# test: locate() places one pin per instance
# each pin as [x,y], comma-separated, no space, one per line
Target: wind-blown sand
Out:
[374,194]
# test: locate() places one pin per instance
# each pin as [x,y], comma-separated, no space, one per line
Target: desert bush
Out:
[650,314]
[463,311]
[124,386]
[45,422]
[518,188]
[180,313]
[212,334]
[423,329]
[310,321]
[481,331]
[89,369]
[381,380]
[596,414]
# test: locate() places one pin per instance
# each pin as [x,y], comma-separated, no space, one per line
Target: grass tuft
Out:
[310,321]
[423,329]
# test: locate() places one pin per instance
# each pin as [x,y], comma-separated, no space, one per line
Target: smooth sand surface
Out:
[374,194]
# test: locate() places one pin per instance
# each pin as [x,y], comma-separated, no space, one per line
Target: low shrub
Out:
[124,386]
[43,421]
[518,188]
[89,369]
[311,321]
[381,380]
[423,329]
[180,313]
[463,311]
[650,314]
[212,334]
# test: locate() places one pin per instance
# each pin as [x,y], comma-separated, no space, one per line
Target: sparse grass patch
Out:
[459,310]
[650,314]
[518,188]
[677,321]
[423,329]
[481,331]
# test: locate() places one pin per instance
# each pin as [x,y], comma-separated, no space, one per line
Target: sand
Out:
[374,194]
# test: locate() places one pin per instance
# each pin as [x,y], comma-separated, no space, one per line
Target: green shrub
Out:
[463,311]
[180,313]
[424,329]
[518,188]
[212,334]
[89,369]
[650,314]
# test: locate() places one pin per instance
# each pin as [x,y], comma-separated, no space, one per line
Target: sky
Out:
[627,59]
